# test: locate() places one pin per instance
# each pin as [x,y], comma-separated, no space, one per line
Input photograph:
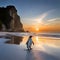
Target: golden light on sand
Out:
[37,39]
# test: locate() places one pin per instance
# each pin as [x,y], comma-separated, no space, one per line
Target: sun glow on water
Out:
[38,44]
[37,39]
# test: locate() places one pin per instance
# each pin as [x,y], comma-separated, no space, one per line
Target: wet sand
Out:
[20,52]
[15,52]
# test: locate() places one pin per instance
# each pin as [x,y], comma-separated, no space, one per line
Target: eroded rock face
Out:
[10,19]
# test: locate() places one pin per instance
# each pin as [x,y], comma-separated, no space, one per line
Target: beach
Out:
[45,48]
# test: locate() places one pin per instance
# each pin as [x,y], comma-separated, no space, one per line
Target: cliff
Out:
[10,20]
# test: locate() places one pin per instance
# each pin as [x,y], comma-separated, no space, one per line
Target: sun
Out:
[37,29]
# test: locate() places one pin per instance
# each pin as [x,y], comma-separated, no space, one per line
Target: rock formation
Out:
[10,20]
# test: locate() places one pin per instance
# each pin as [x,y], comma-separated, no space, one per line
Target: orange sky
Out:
[41,25]
[29,28]
[43,28]
[44,22]
[55,28]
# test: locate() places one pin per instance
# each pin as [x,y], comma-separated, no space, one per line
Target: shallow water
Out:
[45,47]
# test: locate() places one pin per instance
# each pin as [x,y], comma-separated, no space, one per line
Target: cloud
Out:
[53,21]
[41,19]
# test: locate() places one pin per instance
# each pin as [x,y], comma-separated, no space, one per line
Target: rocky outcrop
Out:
[10,20]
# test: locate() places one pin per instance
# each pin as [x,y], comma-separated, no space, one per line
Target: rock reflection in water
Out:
[15,40]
